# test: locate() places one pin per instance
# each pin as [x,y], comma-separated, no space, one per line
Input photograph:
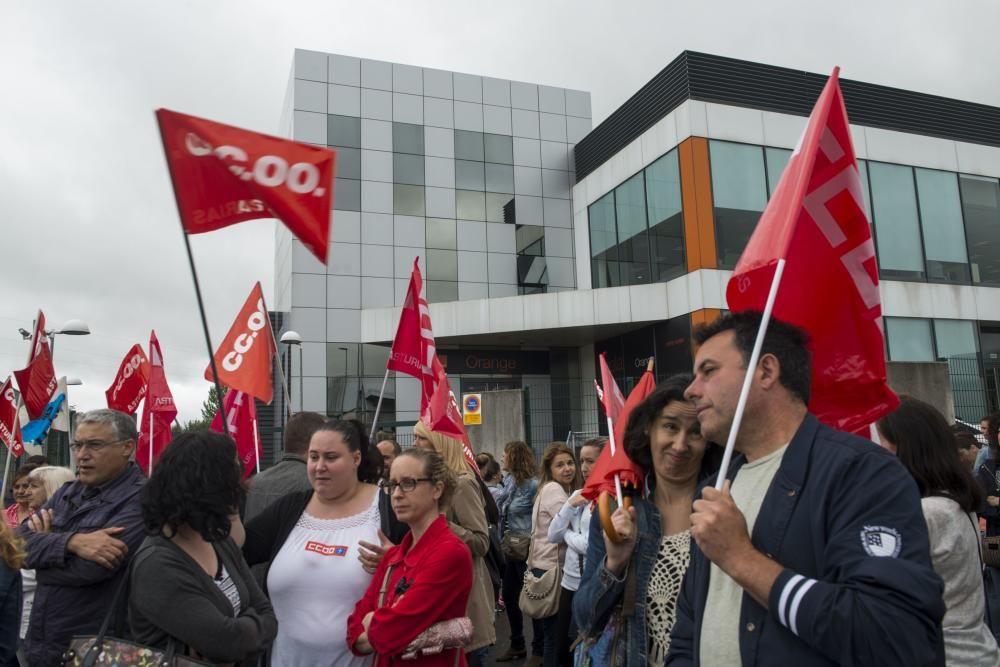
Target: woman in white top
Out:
[320,545]
[920,437]
[571,526]
[559,478]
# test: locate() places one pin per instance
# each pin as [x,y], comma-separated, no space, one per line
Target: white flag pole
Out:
[748,379]
[256,445]
[13,434]
[618,479]
[378,406]
[150,441]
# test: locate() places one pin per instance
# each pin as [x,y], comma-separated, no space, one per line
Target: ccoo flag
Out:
[10,432]
[158,412]
[241,424]
[129,386]
[37,381]
[816,222]
[223,175]
[244,357]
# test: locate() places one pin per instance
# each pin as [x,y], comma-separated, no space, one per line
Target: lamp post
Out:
[343,394]
[70,328]
[293,338]
[71,382]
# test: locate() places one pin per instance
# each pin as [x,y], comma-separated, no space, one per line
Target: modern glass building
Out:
[544,242]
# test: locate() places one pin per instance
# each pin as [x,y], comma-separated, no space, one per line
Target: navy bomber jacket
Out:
[843,517]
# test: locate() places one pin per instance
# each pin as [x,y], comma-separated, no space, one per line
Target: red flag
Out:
[243,360]
[37,381]
[412,343]
[816,221]
[439,410]
[158,411]
[602,475]
[129,385]
[224,174]
[241,425]
[9,423]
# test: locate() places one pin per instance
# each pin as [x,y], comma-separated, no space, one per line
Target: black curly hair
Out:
[644,416]
[197,482]
[354,434]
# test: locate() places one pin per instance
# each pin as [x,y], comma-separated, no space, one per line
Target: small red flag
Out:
[158,411]
[129,386]
[224,174]
[37,381]
[410,347]
[816,221]
[10,431]
[243,360]
[241,424]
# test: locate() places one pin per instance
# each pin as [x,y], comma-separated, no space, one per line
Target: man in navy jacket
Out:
[835,568]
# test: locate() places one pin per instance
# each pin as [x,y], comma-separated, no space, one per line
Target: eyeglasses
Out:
[93,445]
[405,485]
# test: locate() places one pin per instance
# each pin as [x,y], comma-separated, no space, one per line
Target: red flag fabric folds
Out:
[37,381]
[243,360]
[9,423]
[241,425]
[223,175]
[129,386]
[411,345]
[816,221]
[158,412]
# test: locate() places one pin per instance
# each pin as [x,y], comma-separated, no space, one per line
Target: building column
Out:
[696,198]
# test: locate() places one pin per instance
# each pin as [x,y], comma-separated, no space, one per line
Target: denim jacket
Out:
[600,591]
[519,507]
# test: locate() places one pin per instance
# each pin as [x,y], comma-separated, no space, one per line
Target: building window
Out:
[981,206]
[499,148]
[941,222]
[348,162]
[469,146]
[897,225]
[532,271]
[739,193]
[343,131]
[407,169]
[499,207]
[442,265]
[604,242]
[440,233]
[470,205]
[407,199]
[775,159]
[408,138]
[441,290]
[909,339]
[633,236]
[665,218]
[347,194]
[469,175]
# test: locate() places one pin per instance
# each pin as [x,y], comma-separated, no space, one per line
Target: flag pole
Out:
[281,373]
[150,441]
[256,444]
[618,479]
[748,378]
[378,406]
[13,435]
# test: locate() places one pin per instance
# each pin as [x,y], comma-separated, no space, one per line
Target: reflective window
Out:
[348,162]
[407,169]
[499,178]
[408,138]
[739,192]
[981,206]
[897,227]
[776,159]
[499,148]
[469,175]
[343,131]
[441,290]
[346,194]
[442,265]
[440,233]
[633,239]
[532,274]
[941,222]
[500,207]
[470,205]
[863,171]
[469,145]
[666,221]
[909,339]
[955,337]
[407,199]
[604,242]
[530,240]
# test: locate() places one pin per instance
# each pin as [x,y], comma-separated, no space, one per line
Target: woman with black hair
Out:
[189,582]
[315,543]
[920,438]
[626,605]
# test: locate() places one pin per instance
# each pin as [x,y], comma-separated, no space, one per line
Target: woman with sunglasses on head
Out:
[422,582]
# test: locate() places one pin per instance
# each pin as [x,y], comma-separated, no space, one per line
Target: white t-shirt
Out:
[720,637]
[314,583]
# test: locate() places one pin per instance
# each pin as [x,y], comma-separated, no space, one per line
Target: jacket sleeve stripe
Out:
[793,614]
[786,593]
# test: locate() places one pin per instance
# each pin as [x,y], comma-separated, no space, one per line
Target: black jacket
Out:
[10,614]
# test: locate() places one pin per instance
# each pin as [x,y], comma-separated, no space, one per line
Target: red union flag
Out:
[9,423]
[816,221]
[241,425]
[243,360]
[129,386]
[224,174]
[413,346]
[158,412]
[37,381]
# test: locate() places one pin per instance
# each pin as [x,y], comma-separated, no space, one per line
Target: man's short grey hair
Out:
[122,424]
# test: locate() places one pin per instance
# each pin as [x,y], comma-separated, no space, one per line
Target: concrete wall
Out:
[503,421]
[927,381]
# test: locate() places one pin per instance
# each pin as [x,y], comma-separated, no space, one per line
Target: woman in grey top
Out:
[920,437]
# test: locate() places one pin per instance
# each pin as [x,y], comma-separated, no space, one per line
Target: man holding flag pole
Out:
[811,547]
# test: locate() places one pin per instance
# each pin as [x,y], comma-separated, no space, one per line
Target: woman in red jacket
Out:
[423,581]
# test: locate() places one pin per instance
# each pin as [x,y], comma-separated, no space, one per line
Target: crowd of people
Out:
[820,548]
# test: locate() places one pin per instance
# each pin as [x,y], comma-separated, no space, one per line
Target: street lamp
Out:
[293,338]
[70,328]
[343,394]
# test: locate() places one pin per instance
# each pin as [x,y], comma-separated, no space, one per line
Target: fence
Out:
[975,390]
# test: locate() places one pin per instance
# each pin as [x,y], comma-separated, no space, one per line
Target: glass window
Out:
[499,178]
[440,233]
[440,290]
[739,192]
[469,175]
[633,239]
[408,138]
[909,339]
[348,162]
[666,222]
[897,230]
[469,145]
[407,169]
[530,240]
[499,148]
[346,194]
[339,354]
[776,159]
[532,274]
[941,222]
[603,242]
[957,342]
[374,359]
[499,207]
[955,337]
[470,205]
[442,265]
[863,170]
[407,199]
[343,131]
[981,206]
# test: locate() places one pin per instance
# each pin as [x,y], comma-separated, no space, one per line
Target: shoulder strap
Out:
[94,652]
[385,587]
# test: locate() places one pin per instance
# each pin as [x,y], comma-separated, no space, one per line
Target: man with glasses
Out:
[80,541]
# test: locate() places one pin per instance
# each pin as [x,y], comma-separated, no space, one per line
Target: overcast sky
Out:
[88,219]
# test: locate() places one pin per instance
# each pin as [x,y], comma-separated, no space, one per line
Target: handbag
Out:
[454,633]
[90,651]
[516,545]
[606,649]
[540,595]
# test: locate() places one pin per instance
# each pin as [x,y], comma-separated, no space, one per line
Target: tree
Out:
[209,408]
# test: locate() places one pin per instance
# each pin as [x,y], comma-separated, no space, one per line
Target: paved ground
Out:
[503,637]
